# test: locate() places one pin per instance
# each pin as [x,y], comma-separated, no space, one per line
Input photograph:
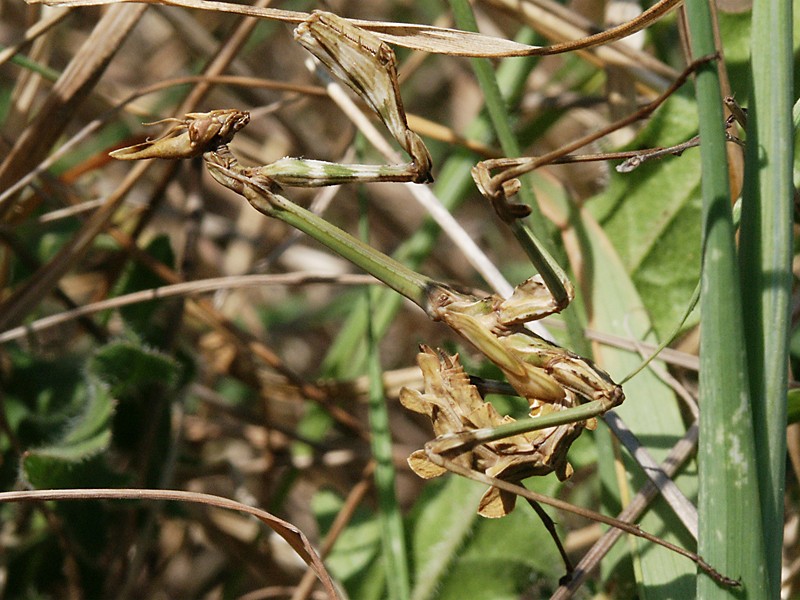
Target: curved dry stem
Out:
[426,38]
[293,536]
[500,186]
[454,467]
[181,289]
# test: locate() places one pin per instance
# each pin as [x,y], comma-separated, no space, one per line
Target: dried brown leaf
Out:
[427,38]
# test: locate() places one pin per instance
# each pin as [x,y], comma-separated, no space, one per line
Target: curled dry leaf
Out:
[426,38]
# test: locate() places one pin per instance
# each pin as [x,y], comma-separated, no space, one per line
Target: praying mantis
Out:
[565,392]
[552,379]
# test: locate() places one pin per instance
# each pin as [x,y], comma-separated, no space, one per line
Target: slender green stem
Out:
[391,521]
[669,338]
[482,436]
[695,298]
[26,63]
[532,234]
[729,503]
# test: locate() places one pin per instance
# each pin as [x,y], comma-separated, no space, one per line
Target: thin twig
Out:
[588,514]
[293,536]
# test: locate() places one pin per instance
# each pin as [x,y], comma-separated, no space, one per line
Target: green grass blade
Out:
[391,521]
[441,531]
[26,63]
[729,513]
[537,245]
[766,259]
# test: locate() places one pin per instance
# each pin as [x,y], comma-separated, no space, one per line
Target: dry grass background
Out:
[251,358]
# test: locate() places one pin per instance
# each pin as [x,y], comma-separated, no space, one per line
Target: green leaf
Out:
[443,517]
[130,368]
[766,238]
[652,216]
[66,461]
[650,411]
[353,561]
[730,503]
[43,470]
[735,31]
[793,407]
[138,277]
[458,554]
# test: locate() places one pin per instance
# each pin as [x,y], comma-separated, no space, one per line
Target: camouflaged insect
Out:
[541,372]
[549,377]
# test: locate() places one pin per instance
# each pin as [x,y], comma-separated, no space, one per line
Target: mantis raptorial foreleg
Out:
[359,59]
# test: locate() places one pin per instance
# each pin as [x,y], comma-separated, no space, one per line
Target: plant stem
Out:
[729,503]
[391,521]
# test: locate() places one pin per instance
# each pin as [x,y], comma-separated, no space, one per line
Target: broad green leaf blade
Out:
[88,433]
[67,462]
[129,368]
[140,316]
[650,409]
[443,518]
[354,559]
[458,554]
[652,216]
[766,259]
[793,407]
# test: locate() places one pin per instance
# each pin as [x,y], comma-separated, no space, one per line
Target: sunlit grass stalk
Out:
[766,258]
[729,513]
[391,521]
[497,109]
[533,234]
